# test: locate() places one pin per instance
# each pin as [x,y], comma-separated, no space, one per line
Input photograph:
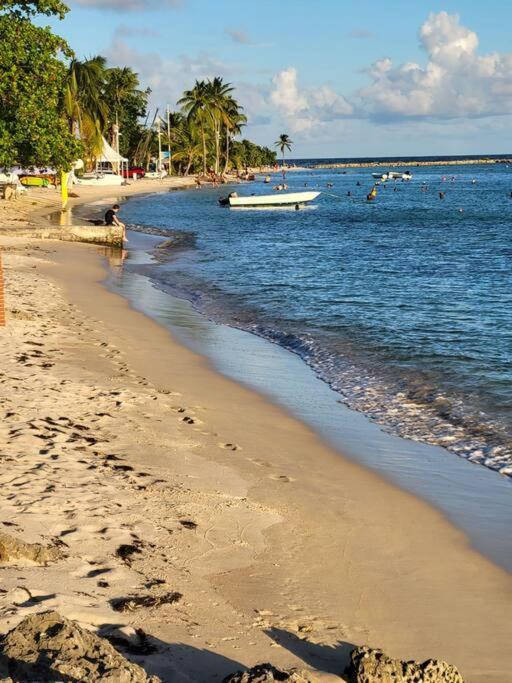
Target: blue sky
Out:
[343,78]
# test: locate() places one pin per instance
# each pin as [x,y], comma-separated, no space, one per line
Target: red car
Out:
[134,170]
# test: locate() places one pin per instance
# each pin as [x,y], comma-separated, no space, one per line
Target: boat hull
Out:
[277,199]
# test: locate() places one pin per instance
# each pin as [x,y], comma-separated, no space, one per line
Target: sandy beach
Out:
[149,478]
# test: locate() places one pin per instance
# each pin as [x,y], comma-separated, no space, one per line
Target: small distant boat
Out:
[286,199]
[393,175]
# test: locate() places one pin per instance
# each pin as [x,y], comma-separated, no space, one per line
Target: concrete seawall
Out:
[111,236]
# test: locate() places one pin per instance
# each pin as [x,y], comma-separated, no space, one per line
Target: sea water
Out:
[402,305]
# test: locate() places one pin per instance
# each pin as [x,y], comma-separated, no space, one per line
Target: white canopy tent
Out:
[110,156]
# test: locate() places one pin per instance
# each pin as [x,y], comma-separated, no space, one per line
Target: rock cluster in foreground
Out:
[48,647]
[373,666]
[367,666]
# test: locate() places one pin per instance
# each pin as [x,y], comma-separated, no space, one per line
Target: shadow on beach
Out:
[175,662]
[329,658]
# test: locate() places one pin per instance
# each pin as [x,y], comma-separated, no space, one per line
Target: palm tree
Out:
[186,139]
[219,98]
[83,100]
[283,143]
[120,84]
[196,104]
[233,125]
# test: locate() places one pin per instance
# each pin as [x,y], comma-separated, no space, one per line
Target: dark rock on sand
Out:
[373,666]
[47,647]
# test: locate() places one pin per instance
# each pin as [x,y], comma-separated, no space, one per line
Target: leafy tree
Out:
[31,7]
[283,143]
[247,154]
[33,127]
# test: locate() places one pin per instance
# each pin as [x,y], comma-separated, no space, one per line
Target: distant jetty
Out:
[395,163]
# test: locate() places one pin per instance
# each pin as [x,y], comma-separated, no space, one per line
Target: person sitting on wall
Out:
[112,219]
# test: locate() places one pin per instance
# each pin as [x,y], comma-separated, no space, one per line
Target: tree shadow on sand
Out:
[329,658]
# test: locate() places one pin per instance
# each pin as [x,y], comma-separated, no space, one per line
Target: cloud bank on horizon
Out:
[454,83]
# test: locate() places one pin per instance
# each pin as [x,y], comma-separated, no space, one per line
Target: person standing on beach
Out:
[112,219]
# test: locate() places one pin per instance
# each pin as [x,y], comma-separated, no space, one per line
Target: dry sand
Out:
[148,474]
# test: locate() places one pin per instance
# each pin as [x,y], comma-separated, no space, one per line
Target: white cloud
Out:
[167,78]
[454,99]
[128,5]
[455,81]
[305,109]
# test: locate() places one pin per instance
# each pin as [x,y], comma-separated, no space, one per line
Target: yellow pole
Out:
[64,188]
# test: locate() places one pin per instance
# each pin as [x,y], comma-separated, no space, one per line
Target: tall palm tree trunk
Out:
[226,164]
[203,135]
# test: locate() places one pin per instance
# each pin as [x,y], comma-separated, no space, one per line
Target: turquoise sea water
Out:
[402,305]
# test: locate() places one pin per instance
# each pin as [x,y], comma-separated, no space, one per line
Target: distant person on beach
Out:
[112,219]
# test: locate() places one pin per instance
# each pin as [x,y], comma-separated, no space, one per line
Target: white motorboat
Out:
[277,199]
[392,175]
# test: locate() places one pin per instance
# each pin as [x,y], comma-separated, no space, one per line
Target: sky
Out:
[340,77]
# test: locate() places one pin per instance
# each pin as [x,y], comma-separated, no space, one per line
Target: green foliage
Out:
[33,128]
[31,7]
[83,102]
[247,154]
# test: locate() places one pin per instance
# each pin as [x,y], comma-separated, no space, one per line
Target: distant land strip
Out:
[393,164]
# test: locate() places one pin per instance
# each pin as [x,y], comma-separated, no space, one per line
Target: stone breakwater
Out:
[395,164]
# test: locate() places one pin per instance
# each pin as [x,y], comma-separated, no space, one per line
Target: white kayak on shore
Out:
[276,199]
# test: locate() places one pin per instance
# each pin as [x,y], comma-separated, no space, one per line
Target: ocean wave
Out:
[405,403]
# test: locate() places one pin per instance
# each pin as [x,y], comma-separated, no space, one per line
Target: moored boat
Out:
[393,175]
[278,199]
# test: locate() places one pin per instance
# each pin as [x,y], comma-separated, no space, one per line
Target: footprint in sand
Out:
[190,420]
[230,446]
[281,477]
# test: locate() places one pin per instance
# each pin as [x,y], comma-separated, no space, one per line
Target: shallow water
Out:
[401,305]
[475,499]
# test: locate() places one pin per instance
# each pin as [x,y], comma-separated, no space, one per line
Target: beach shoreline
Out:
[293,543]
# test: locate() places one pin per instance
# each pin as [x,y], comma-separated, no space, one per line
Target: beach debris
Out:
[373,666]
[49,647]
[14,549]
[134,602]
[125,552]
[188,523]
[266,673]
